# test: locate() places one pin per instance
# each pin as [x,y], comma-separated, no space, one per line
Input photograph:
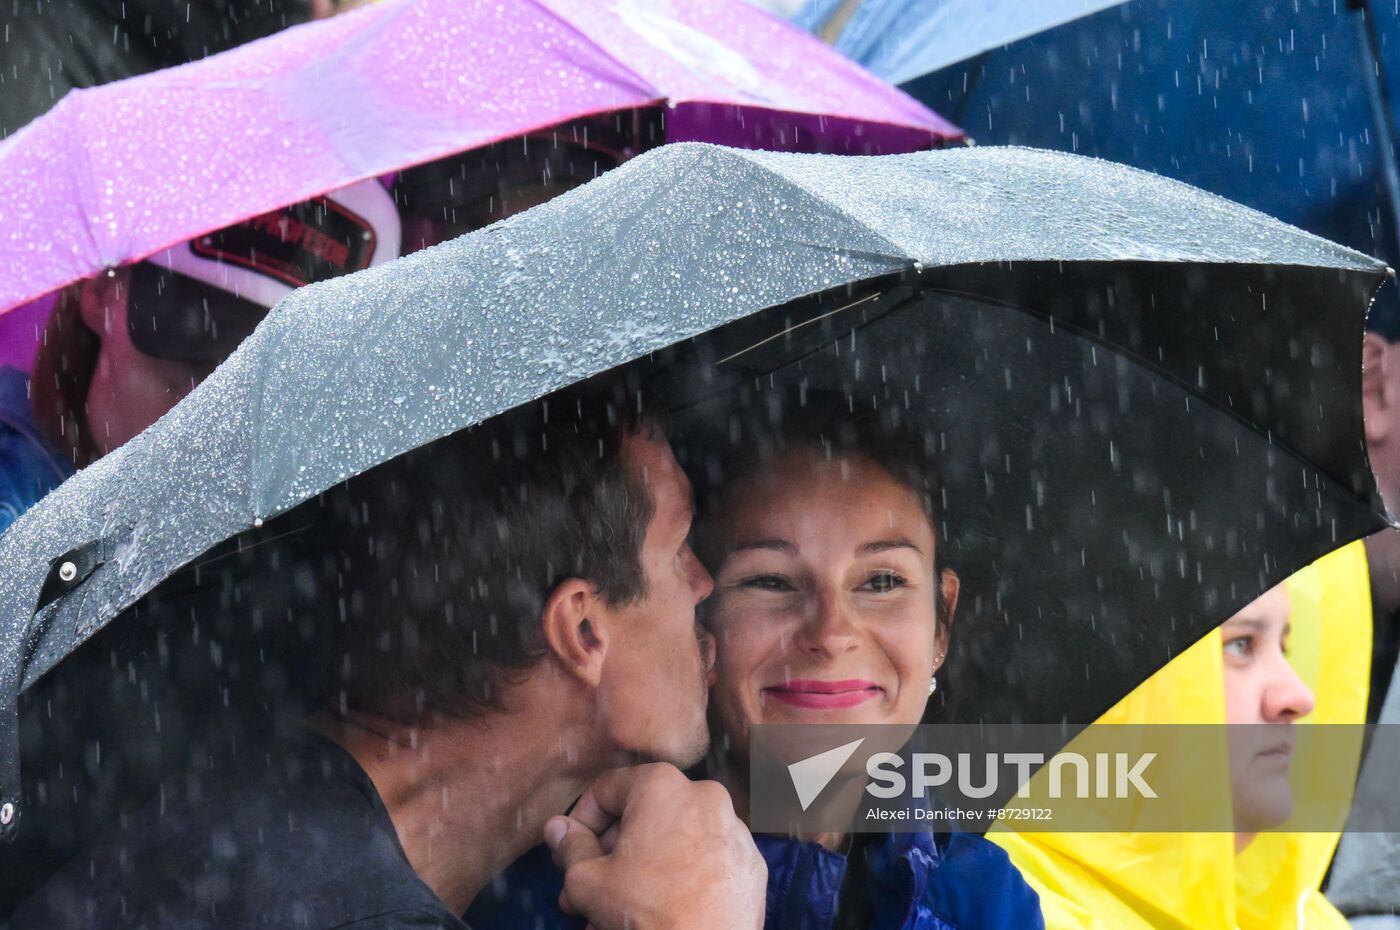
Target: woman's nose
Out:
[829,627]
[1286,697]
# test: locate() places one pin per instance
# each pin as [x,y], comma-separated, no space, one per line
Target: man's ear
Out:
[575,631]
[1376,399]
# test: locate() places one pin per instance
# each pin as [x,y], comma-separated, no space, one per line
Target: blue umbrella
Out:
[1279,105]
[1372,45]
[904,39]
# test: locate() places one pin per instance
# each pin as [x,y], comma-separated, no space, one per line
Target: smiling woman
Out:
[832,605]
[831,602]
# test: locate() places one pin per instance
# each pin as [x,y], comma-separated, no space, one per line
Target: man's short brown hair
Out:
[446,555]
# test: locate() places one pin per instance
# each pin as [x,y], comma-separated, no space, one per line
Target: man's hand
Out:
[672,854]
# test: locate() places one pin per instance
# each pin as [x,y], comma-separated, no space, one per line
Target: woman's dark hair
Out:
[445,556]
[834,427]
[63,367]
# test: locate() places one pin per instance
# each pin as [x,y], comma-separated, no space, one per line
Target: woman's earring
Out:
[933,679]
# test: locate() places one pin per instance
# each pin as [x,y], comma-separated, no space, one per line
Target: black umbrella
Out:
[1146,401]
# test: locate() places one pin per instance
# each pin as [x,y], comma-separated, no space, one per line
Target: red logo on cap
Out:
[300,244]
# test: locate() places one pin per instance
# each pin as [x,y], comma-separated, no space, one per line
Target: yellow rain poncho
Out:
[1195,881]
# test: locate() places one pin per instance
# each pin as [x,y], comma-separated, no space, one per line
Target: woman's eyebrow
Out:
[1253,623]
[884,545]
[781,545]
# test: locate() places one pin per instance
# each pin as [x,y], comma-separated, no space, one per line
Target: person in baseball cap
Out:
[123,348]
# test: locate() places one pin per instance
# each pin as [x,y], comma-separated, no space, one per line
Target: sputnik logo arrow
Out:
[814,773]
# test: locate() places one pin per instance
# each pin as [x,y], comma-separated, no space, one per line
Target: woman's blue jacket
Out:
[914,881]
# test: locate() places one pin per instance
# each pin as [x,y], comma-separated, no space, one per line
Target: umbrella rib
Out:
[645,85]
[794,328]
[80,109]
[200,566]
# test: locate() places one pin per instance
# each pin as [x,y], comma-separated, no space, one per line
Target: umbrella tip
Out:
[1389,271]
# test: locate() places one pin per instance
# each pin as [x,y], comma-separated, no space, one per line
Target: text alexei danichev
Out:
[958,815]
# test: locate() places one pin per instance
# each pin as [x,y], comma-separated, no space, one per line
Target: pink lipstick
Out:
[811,694]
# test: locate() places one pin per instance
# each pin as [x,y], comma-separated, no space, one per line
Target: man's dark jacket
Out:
[294,837]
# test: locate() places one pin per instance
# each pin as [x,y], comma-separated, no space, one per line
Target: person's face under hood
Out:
[1261,688]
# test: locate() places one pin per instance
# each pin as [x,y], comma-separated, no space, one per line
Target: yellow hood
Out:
[1194,881]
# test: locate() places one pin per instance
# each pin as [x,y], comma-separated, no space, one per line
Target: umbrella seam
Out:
[80,109]
[74,100]
[900,254]
[1221,205]
[257,390]
[258,381]
[646,85]
[928,120]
